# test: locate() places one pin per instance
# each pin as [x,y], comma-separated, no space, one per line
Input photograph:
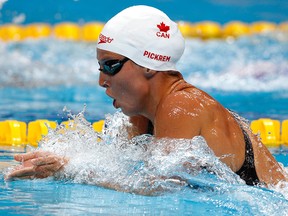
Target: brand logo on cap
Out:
[163,30]
[104,39]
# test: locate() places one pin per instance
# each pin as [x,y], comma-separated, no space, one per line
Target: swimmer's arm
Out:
[151,188]
[268,169]
[38,164]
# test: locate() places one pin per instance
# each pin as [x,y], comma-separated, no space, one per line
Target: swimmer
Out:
[137,52]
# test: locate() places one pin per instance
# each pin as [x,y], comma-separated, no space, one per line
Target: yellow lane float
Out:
[269,131]
[91,31]
[187,29]
[38,30]
[272,132]
[12,32]
[235,29]
[283,26]
[67,31]
[37,129]
[12,132]
[98,126]
[68,124]
[208,30]
[262,27]
[284,132]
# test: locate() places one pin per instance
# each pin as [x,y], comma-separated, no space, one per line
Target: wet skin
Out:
[176,109]
[179,110]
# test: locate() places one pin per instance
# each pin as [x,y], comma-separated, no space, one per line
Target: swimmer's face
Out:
[128,87]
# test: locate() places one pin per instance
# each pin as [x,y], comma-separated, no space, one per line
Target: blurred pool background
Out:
[248,75]
[221,11]
[39,77]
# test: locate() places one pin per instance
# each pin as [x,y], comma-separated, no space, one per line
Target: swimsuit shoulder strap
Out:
[247,172]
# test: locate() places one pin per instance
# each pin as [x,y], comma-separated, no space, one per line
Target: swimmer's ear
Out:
[149,73]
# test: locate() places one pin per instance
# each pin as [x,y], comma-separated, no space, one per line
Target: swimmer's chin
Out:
[118,107]
[115,104]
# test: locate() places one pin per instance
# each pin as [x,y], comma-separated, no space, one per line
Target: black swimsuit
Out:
[247,172]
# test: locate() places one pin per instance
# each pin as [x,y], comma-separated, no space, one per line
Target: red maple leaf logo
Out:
[163,28]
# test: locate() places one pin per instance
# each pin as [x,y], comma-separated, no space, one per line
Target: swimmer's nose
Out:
[103,80]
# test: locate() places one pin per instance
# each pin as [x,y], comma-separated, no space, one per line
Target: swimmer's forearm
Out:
[118,187]
[150,190]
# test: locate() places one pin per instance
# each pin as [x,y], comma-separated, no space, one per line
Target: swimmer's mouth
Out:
[114,100]
[115,104]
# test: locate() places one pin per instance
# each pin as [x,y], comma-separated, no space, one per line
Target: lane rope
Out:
[89,32]
[273,133]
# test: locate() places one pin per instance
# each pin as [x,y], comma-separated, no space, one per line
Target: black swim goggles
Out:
[111,66]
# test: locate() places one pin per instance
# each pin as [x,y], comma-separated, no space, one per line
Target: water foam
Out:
[254,63]
[148,166]
[2,2]
[47,62]
[141,165]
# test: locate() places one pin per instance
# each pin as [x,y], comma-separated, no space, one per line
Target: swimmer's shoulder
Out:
[185,102]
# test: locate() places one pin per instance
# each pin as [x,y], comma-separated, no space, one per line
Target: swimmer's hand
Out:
[38,164]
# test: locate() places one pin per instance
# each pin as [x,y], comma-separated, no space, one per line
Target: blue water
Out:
[40,77]
[221,11]
[44,197]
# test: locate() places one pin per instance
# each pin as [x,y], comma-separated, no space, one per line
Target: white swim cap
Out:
[145,35]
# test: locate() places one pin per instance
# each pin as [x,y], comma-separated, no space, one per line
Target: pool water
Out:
[218,192]
[46,197]
[40,77]
[55,197]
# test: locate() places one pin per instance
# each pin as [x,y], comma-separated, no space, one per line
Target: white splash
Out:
[47,62]
[141,165]
[2,3]
[19,18]
[256,76]
[254,63]
[156,167]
